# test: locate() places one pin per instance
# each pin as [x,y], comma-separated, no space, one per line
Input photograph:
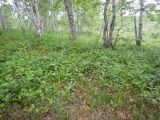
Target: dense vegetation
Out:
[48,78]
[79,59]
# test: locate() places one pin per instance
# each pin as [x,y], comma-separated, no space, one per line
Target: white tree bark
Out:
[105,30]
[54,16]
[2,19]
[37,18]
[135,28]
[80,20]
[108,30]
[16,7]
[34,16]
[69,9]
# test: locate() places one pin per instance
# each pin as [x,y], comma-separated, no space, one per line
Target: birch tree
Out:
[139,40]
[2,16]
[135,28]
[69,9]
[139,29]
[37,19]
[108,30]
[2,19]
[33,14]
[54,16]
[17,10]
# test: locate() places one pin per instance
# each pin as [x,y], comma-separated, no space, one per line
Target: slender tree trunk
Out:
[19,16]
[54,22]
[37,18]
[80,22]
[34,16]
[135,28]
[112,26]
[46,24]
[105,30]
[108,31]
[2,19]
[69,9]
[54,15]
[139,40]
[31,18]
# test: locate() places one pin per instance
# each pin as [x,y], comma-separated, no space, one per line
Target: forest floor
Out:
[52,78]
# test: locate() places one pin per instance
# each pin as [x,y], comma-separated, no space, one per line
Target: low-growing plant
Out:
[42,76]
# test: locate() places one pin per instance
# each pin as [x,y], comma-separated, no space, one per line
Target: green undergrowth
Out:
[43,76]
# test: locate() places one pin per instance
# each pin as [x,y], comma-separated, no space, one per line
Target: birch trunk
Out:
[34,16]
[69,9]
[16,7]
[54,16]
[139,40]
[2,19]
[37,18]
[135,28]
[105,30]
[80,22]
[54,22]
[108,31]
[113,22]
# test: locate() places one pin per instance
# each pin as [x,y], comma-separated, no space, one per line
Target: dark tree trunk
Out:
[139,40]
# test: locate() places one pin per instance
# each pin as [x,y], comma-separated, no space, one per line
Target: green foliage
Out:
[41,74]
